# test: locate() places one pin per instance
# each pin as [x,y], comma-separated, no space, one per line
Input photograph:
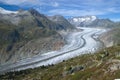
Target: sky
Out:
[69,8]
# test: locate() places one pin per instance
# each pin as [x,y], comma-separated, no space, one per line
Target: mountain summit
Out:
[82,20]
[90,21]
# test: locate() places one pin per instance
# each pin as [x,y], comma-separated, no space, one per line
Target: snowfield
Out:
[79,43]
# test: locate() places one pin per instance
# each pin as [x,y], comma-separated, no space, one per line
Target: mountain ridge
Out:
[90,21]
[61,21]
[81,20]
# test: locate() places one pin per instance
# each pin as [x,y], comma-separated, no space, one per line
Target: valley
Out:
[35,45]
[77,43]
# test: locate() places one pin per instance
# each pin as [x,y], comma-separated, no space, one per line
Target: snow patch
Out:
[3,11]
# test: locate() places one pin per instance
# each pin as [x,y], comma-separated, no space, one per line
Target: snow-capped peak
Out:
[84,18]
[93,18]
[3,11]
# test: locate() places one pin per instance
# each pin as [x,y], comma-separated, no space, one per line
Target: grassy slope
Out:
[92,66]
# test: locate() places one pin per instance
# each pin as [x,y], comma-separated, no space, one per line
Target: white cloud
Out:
[70,7]
[113,10]
[76,12]
[32,3]
[13,1]
[86,11]
[22,2]
[115,19]
[55,4]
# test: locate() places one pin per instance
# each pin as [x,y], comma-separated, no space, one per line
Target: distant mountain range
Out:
[82,20]
[90,21]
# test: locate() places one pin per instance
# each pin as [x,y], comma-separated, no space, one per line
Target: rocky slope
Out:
[27,33]
[24,19]
[61,21]
[103,23]
[111,37]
